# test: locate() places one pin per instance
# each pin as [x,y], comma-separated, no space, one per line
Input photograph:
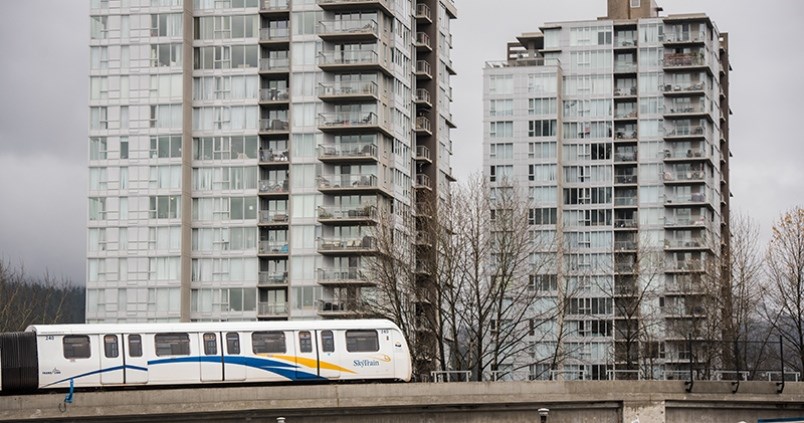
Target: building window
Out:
[635,4]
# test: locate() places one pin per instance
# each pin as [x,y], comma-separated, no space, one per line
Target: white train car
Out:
[98,355]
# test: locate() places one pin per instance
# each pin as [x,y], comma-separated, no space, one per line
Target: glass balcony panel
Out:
[347,119]
[346,27]
[274,186]
[347,212]
[347,181]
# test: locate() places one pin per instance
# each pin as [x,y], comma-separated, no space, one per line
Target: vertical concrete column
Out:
[644,412]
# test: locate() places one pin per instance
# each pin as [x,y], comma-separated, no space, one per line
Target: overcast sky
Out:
[43,109]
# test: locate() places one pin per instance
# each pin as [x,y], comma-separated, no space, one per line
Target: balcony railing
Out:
[272,309]
[422,153]
[384,3]
[268,278]
[348,27]
[626,223]
[275,5]
[624,134]
[625,245]
[625,157]
[625,67]
[697,197]
[625,201]
[684,59]
[696,86]
[422,181]
[685,153]
[422,40]
[273,94]
[685,108]
[342,275]
[423,68]
[274,156]
[274,34]
[625,42]
[684,36]
[275,64]
[272,186]
[688,175]
[622,114]
[273,247]
[423,11]
[347,213]
[355,150]
[340,306]
[625,179]
[346,244]
[684,243]
[422,95]
[273,216]
[686,265]
[625,92]
[422,123]
[348,57]
[274,125]
[686,221]
[347,181]
[353,88]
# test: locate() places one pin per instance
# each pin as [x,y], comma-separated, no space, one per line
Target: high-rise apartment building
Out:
[242,150]
[616,130]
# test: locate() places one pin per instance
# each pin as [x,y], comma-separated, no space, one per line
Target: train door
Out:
[234,366]
[112,361]
[329,365]
[136,363]
[306,355]
[211,361]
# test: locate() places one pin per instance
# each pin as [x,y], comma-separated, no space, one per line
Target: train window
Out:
[305,342]
[110,347]
[172,344]
[76,346]
[327,341]
[362,341]
[268,342]
[233,343]
[134,346]
[210,344]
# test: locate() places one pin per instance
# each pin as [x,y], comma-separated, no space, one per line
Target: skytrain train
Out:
[176,354]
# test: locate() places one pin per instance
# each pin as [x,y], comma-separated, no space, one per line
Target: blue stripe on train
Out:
[286,370]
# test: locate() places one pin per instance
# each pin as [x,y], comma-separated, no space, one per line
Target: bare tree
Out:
[785,264]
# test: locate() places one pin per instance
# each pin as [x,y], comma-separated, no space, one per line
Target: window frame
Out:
[177,349]
[111,349]
[264,344]
[357,340]
[76,351]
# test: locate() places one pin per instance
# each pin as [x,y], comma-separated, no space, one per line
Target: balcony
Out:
[272,279]
[694,222]
[272,309]
[625,92]
[626,224]
[348,91]
[339,308]
[625,135]
[685,110]
[422,125]
[273,218]
[625,201]
[423,70]
[696,198]
[685,89]
[422,97]
[275,7]
[686,266]
[625,115]
[422,154]
[625,67]
[358,29]
[357,5]
[684,37]
[351,122]
[345,214]
[685,244]
[274,95]
[274,126]
[275,65]
[423,13]
[274,157]
[682,132]
[625,245]
[273,248]
[685,60]
[347,246]
[684,176]
[352,60]
[422,181]
[423,42]
[350,276]
[274,187]
[625,179]
[354,152]
[625,42]
[274,35]
[342,184]
[625,157]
